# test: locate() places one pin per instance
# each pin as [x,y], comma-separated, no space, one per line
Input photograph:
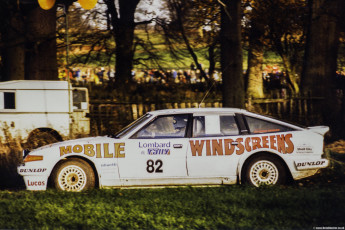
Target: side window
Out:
[173,126]
[80,99]
[261,126]
[228,125]
[214,125]
[199,126]
[7,100]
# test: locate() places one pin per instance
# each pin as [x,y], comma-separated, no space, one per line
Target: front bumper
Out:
[35,178]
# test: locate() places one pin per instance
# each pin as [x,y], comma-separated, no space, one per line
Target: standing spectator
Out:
[100,75]
[77,75]
[133,73]
[192,66]
[111,75]
[187,76]
[174,75]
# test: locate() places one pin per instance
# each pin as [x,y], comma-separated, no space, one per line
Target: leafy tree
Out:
[89,38]
[193,25]
[121,18]
[280,25]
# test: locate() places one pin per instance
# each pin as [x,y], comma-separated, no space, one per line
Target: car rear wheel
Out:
[265,170]
[73,175]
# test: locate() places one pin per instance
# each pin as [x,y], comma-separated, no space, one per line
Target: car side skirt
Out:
[139,182]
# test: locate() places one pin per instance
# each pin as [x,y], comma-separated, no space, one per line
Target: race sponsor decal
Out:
[300,165]
[155,148]
[304,149]
[108,165]
[33,170]
[219,147]
[35,183]
[95,150]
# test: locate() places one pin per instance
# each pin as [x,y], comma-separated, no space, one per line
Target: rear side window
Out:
[261,126]
[228,125]
[214,125]
[7,100]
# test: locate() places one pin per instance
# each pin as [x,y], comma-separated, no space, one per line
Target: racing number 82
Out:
[151,166]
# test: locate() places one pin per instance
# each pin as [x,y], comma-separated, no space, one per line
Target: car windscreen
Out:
[132,126]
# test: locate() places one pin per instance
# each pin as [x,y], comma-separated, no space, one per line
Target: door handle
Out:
[234,143]
[177,146]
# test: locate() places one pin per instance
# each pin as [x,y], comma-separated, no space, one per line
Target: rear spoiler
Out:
[319,129]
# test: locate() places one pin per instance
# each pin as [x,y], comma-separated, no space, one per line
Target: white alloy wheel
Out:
[263,172]
[72,178]
[73,175]
[265,169]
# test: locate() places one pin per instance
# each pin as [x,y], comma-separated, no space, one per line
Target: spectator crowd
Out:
[273,77]
[105,75]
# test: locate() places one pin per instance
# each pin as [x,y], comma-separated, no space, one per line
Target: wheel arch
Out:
[47,130]
[89,162]
[242,166]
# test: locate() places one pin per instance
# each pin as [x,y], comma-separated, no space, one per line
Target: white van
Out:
[40,112]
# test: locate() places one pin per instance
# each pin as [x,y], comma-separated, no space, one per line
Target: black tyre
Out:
[264,170]
[73,175]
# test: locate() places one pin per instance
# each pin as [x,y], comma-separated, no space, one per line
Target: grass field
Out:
[229,207]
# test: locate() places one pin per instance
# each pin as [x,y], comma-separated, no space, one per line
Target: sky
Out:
[153,8]
[146,10]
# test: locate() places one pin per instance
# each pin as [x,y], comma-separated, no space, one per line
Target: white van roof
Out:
[33,84]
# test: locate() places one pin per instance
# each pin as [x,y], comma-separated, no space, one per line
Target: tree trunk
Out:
[41,59]
[292,77]
[13,56]
[124,54]
[321,48]
[255,81]
[231,54]
[320,63]
[30,43]
[211,59]
[255,60]
[123,25]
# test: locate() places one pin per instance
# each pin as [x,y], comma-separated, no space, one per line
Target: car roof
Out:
[209,111]
[197,110]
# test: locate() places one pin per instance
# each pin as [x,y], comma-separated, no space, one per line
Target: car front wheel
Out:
[73,175]
[265,170]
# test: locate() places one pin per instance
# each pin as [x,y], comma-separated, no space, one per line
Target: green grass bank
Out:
[227,207]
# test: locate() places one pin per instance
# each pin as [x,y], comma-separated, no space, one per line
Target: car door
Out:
[156,154]
[215,146]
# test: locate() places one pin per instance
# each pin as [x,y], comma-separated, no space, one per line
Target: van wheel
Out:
[264,170]
[73,175]
[40,138]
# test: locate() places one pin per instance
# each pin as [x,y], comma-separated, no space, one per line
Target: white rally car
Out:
[200,146]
